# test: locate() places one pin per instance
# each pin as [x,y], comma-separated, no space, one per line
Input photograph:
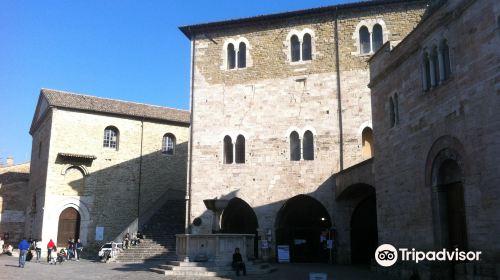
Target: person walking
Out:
[23,250]
[38,249]
[78,249]
[50,245]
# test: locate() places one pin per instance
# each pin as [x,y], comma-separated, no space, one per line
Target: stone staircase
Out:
[209,269]
[159,235]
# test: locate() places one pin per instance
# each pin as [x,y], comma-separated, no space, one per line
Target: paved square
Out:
[86,269]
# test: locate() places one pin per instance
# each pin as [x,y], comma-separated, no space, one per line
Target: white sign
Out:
[265,244]
[317,276]
[329,244]
[99,233]
[283,253]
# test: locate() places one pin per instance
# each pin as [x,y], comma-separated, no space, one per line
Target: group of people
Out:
[135,240]
[73,250]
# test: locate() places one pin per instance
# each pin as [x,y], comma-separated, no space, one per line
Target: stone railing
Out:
[217,248]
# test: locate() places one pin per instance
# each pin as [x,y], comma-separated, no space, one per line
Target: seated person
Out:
[238,263]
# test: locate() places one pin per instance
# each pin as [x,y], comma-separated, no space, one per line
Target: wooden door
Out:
[69,226]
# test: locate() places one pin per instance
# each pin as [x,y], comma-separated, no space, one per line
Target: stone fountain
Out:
[216,206]
[214,247]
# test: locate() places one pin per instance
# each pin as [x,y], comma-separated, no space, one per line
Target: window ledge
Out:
[300,62]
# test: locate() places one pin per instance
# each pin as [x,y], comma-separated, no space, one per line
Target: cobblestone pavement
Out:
[86,269]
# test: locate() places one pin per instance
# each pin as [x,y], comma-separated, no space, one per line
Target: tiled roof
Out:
[61,99]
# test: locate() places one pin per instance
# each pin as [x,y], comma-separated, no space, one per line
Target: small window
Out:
[435,62]
[445,50]
[295,48]
[242,55]
[377,37]
[308,145]
[392,114]
[240,149]
[306,47]
[294,146]
[427,72]
[367,143]
[228,150]
[364,40]
[168,144]
[111,137]
[231,56]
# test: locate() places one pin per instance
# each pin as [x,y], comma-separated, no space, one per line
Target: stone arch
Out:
[357,223]
[299,223]
[82,168]
[81,207]
[445,174]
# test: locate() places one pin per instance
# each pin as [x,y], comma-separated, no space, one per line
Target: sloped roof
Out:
[76,101]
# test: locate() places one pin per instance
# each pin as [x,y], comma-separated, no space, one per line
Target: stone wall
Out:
[105,190]
[272,97]
[460,114]
[14,201]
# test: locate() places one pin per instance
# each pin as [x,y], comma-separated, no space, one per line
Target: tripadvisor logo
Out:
[387,255]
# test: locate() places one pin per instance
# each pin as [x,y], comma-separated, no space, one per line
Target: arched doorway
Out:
[299,225]
[239,217]
[451,205]
[69,226]
[364,234]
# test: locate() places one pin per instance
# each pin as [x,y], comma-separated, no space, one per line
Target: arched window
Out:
[445,51]
[168,144]
[111,136]
[242,55]
[364,40]
[294,146]
[306,47]
[228,150]
[427,71]
[308,145]
[231,56]
[367,143]
[377,37]
[435,62]
[240,149]
[295,48]
[392,114]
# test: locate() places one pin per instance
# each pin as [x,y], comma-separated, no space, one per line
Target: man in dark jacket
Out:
[238,263]
[23,250]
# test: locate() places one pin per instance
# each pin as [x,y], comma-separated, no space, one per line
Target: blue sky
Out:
[129,50]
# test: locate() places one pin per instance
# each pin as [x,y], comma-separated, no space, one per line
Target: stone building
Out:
[280,103]
[101,167]
[13,200]
[435,102]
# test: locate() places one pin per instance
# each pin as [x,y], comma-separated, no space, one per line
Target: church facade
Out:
[100,166]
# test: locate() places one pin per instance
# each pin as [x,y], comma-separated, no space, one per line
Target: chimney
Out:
[9,161]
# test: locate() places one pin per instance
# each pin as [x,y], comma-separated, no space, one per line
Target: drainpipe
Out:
[190,151]
[339,97]
[140,176]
